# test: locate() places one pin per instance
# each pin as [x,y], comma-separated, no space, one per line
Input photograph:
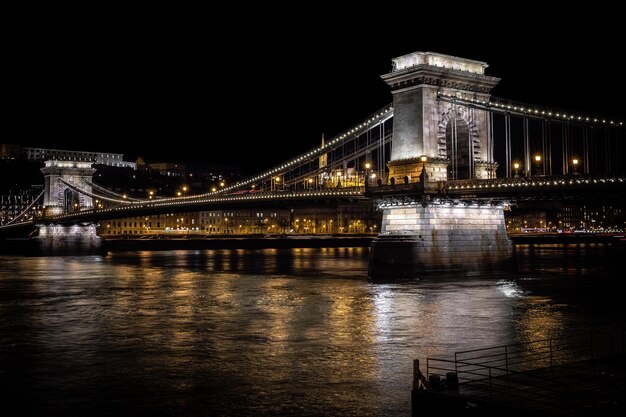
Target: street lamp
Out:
[310,181]
[575,166]
[516,169]
[221,183]
[423,174]
[538,163]
[367,173]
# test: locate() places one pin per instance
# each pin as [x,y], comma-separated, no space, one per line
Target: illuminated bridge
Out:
[440,162]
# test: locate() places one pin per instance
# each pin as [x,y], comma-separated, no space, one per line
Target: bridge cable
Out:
[92,195]
[95,185]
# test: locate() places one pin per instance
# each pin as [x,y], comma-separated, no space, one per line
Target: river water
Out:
[269,332]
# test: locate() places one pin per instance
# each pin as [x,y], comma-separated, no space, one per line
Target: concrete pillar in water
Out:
[76,239]
[417,240]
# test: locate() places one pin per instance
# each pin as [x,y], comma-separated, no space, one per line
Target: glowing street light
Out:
[516,169]
[368,167]
[575,162]
[423,175]
[538,162]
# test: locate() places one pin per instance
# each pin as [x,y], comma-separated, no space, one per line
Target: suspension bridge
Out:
[440,162]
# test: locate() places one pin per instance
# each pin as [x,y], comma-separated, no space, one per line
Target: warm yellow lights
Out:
[538,158]
[575,161]
[516,165]
[368,165]
[423,158]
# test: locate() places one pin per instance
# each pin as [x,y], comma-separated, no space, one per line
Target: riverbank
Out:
[117,245]
[527,238]
[27,246]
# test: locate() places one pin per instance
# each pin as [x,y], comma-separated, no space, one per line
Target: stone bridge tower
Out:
[453,141]
[421,233]
[58,197]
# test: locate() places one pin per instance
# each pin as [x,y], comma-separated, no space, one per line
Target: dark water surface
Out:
[269,332]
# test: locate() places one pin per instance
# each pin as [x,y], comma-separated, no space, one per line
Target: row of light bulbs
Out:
[356,191]
[540,183]
[537,112]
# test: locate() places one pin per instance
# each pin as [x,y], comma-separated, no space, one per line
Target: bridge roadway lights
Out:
[420,239]
[75,239]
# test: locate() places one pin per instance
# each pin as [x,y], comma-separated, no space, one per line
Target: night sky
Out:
[264,90]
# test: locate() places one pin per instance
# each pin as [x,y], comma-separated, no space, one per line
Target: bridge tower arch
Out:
[454,139]
[59,197]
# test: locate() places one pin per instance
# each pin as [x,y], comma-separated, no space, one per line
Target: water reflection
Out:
[267,332]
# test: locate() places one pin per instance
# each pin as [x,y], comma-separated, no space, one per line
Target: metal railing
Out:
[537,374]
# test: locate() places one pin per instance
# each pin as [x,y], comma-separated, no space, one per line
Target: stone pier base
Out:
[78,239]
[417,241]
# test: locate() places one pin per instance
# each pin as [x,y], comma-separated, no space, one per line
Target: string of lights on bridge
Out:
[355,192]
[532,110]
[517,183]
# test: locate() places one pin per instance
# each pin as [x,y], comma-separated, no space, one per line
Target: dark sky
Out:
[264,90]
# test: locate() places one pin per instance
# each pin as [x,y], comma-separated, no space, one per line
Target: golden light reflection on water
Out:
[541,318]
